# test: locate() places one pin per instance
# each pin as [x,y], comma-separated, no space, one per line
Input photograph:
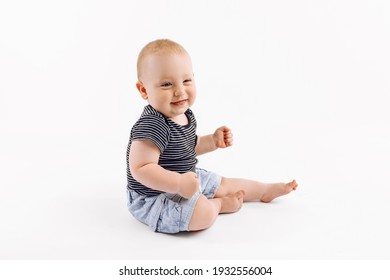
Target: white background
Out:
[304,85]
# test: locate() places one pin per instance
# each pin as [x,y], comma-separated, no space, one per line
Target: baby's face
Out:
[167,83]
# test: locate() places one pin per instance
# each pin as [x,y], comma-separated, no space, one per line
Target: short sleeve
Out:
[152,128]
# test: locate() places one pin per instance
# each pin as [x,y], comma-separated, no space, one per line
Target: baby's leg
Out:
[255,191]
[207,210]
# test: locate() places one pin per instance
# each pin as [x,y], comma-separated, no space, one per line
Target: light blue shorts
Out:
[171,213]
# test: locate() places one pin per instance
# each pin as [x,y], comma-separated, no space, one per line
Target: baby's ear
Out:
[142,90]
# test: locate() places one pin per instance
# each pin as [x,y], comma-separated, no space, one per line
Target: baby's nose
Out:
[179,90]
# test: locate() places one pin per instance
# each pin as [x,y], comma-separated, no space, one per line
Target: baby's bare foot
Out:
[232,202]
[276,190]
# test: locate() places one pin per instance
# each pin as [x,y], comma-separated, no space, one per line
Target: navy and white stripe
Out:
[176,143]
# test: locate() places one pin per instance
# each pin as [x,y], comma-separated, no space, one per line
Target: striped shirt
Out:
[175,142]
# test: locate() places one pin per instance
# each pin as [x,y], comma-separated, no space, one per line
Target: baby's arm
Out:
[143,160]
[222,138]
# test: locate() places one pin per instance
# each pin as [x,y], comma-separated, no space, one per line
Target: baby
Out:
[166,190]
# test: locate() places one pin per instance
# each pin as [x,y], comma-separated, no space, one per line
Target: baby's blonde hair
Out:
[160,46]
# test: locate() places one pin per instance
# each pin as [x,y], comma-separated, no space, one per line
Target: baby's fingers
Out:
[228,138]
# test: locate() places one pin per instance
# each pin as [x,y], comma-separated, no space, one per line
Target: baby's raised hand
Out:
[223,137]
[189,184]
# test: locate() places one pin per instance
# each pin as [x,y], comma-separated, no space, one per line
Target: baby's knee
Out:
[204,215]
[209,216]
